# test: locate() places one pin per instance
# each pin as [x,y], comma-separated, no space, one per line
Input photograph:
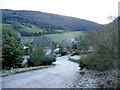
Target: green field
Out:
[33,29]
[6,25]
[57,37]
[25,28]
[59,30]
[62,36]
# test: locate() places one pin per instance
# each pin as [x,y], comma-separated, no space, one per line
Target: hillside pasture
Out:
[31,29]
[55,37]
[62,36]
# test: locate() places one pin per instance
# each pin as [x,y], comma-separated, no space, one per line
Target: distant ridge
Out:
[47,21]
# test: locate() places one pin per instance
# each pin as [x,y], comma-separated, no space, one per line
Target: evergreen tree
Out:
[12,49]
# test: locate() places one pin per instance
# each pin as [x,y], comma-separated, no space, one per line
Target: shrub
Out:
[96,61]
[83,43]
[105,44]
[105,40]
[0,48]
[38,58]
[48,60]
[12,49]
[37,55]
[63,52]
[75,53]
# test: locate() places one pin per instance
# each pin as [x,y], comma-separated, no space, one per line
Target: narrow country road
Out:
[63,75]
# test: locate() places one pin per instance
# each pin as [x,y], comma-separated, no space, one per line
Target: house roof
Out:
[42,41]
[70,40]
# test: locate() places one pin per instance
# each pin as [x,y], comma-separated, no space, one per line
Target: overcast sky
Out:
[93,10]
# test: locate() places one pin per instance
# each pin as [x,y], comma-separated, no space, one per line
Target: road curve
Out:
[63,75]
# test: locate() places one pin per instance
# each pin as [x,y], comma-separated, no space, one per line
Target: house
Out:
[68,43]
[43,42]
[19,34]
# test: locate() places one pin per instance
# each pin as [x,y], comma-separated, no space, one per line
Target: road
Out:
[62,75]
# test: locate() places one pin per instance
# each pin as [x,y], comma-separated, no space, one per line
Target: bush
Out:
[0,48]
[12,49]
[62,52]
[105,44]
[83,43]
[75,53]
[37,55]
[96,61]
[48,60]
[38,58]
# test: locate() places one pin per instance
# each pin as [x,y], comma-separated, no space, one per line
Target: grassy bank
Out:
[20,70]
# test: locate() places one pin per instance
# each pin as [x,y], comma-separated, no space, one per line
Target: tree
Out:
[0,48]
[104,40]
[12,49]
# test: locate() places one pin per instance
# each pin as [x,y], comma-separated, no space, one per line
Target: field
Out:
[56,37]
[31,29]
[25,28]
[62,36]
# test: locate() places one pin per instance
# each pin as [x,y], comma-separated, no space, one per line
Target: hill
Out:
[45,21]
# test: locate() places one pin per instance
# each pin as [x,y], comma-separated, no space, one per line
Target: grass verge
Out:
[20,70]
